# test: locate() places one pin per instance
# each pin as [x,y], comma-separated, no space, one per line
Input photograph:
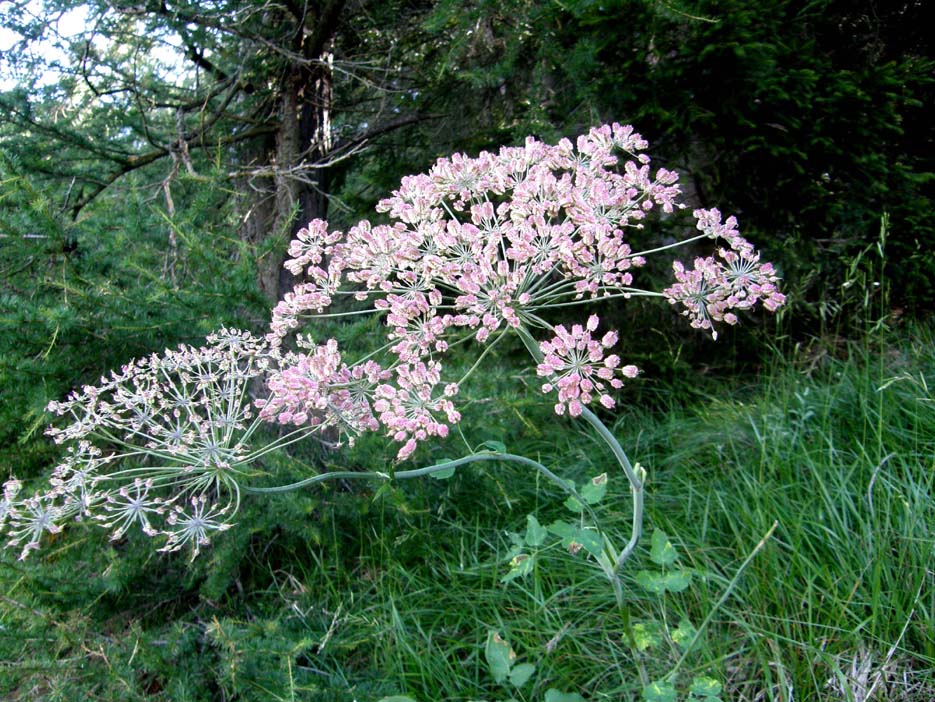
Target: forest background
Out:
[153,168]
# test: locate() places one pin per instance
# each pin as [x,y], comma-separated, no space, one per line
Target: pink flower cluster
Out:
[410,410]
[477,247]
[486,232]
[577,368]
[319,390]
[735,280]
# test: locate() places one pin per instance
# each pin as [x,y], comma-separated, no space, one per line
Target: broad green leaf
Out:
[535,532]
[520,566]
[594,490]
[553,695]
[684,634]
[574,538]
[572,503]
[659,691]
[521,673]
[677,580]
[563,530]
[443,474]
[499,657]
[518,543]
[647,635]
[705,686]
[661,551]
[591,540]
[396,698]
[651,581]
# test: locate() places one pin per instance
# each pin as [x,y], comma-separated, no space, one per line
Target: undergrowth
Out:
[350,592]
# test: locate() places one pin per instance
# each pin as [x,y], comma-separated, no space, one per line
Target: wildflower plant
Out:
[476,251]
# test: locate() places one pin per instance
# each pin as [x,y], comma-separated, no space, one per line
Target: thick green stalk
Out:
[635,474]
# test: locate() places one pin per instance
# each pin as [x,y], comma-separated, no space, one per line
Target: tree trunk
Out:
[290,188]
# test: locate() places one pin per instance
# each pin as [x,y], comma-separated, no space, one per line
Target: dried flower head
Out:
[166,429]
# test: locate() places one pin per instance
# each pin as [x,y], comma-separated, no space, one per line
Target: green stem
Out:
[352,313]
[668,246]
[635,475]
[626,295]
[428,470]
[481,357]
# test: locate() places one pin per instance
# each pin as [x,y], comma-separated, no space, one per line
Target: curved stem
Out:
[421,472]
[609,562]
[635,475]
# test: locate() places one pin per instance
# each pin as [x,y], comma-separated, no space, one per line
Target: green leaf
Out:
[591,540]
[684,634]
[647,635]
[499,656]
[520,566]
[518,543]
[396,698]
[443,474]
[651,581]
[535,532]
[563,530]
[572,503]
[553,695]
[677,580]
[521,673]
[658,583]
[659,691]
[705,686]
[594,490]
[661,551]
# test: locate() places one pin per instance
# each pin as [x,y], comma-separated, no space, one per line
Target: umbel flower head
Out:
[577,368]
[477,248]
[735,280]
[158,446]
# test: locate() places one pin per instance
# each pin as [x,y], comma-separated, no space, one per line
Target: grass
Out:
[841,602]
[355,593]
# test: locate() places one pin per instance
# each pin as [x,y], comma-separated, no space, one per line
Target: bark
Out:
[289,188]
